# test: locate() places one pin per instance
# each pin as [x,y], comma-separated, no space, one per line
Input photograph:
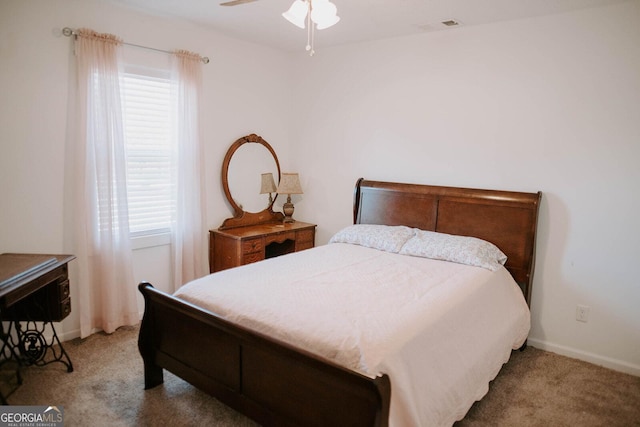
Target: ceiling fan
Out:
[309,14]
[236,2]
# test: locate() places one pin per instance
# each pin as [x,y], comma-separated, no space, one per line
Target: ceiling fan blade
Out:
[236,2]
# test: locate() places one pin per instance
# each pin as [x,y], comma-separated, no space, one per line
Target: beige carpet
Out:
[535,388]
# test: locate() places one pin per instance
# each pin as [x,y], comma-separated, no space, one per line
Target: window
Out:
[148,133]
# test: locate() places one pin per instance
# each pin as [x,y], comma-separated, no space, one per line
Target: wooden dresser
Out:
[237,246]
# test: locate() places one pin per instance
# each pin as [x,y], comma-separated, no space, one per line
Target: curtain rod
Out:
[69,32]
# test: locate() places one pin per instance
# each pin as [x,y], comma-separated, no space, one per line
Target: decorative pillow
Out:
[383,237]
[460,249]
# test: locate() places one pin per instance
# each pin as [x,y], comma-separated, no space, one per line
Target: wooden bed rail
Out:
[269,381]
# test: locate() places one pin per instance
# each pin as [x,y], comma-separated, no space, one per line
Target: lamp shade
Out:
[267,185]
[297,13]
[289,184]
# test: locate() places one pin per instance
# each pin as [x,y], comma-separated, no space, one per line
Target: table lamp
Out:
[289,184]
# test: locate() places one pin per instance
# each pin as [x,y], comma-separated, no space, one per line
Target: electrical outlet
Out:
[582,313]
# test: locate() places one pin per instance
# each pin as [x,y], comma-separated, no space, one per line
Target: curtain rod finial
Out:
[67,31]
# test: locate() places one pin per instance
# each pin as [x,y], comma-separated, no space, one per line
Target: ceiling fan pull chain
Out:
[312,40]
[309,47]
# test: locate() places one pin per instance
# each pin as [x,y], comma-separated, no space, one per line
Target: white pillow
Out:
[388,238]
[460,249]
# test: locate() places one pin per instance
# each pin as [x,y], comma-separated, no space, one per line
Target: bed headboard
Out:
[507,219]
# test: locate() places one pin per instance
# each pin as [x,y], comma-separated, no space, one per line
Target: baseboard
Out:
[68,336]
[596,359]
[75,333]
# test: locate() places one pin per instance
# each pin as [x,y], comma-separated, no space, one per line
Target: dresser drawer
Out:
[63,290]
[254,257]
[305,236]
[65,309]
[300,246]
[252,245]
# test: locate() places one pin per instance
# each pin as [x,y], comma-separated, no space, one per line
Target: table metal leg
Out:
[36,349]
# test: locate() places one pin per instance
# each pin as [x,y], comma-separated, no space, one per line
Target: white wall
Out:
[546,104]
[549,104]
[245,89]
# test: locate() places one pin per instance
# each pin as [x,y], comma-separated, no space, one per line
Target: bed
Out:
[273,379]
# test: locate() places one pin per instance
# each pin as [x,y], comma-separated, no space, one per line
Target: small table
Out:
[34,293]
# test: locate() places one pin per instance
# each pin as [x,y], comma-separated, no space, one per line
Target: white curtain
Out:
[107,291]
[189,233]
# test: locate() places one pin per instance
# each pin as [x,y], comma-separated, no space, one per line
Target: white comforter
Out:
[440,330]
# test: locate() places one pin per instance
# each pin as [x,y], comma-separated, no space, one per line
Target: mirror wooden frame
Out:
[240,217]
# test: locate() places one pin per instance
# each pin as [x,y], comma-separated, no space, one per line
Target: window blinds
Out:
[150,154]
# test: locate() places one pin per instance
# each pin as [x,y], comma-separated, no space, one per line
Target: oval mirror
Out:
[246,167]
[246,160]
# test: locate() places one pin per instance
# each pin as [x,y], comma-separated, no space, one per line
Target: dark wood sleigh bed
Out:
[277,384]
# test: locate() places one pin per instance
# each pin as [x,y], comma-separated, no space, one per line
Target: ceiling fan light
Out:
[328,22]
[297,13]
[323,13]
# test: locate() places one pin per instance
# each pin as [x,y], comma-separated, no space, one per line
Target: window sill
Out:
[150,241]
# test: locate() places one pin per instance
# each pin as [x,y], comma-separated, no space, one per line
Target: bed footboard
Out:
[267,380]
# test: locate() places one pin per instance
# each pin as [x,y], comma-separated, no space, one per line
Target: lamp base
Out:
[287,210]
